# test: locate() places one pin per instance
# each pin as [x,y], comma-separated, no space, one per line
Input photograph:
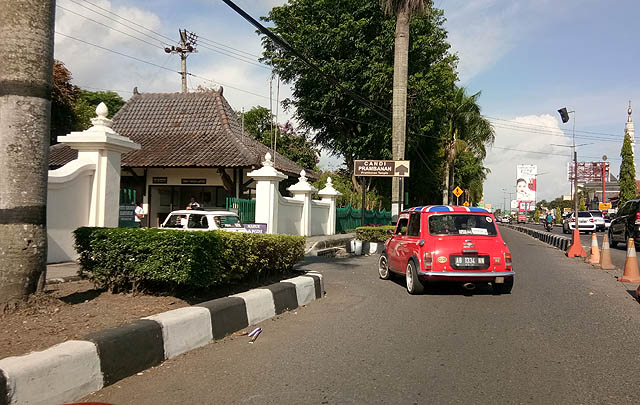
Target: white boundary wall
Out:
[85,191]
[297,215]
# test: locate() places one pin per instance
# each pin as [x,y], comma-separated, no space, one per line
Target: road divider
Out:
[558,241]
[73,369]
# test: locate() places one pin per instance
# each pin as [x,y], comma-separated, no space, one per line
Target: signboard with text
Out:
[588,172]
[256,228]
[381,168]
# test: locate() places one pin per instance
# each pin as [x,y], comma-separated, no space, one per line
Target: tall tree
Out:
[86,103]
[354,42]
[467,130]
[627,179]
[403,10]
[25,104]
[63,98]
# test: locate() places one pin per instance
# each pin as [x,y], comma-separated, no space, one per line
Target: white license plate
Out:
[499,280]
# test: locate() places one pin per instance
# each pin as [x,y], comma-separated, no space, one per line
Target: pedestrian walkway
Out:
[60,272]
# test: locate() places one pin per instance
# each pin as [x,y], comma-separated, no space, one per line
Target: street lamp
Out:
[576,248]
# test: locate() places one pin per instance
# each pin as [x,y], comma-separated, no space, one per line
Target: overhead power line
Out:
[513,122]
[121,17]
[212,42]
[109,27]
[283,44]
[123,24]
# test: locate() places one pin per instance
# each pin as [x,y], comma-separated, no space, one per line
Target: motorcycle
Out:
[548,226]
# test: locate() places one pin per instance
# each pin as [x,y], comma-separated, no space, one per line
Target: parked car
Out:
[598,219]
[626,224]
[586,223]
[200,220]
[446,243]
[607,223]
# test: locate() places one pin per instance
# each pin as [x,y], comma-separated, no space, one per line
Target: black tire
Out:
[503,288]
[612,243]
[414,284]
[383,267]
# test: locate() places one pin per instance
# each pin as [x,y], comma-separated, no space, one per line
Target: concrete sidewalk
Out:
[62,272]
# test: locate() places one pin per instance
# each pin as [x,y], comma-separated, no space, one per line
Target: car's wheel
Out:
[383,267]
[612,243]
[503,288]
[414,284]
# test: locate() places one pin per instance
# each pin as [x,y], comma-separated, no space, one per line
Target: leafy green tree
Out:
[353,41]
[582,205]
[466,130]
[258,122]
[86,103]
[558,216]
[291,142]
[627,178]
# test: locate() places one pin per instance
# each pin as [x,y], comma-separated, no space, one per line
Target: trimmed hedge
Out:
[127,258]
[376,234]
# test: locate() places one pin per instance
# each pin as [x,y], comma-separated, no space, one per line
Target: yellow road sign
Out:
[604,206]
[466,203]
[457,192]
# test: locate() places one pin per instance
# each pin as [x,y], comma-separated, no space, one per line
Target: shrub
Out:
[375,233]
[122,259]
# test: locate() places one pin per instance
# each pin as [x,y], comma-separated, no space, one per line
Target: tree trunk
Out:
[26,71]
[400,71]
[445,188]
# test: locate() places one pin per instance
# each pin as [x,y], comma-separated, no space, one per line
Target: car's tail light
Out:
[637,218]
[428,260]
[573,220]
[507,260]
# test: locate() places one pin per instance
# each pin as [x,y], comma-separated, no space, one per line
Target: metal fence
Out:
[349,218]
[246,209]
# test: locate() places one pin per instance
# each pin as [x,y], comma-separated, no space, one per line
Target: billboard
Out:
[526,186]
[589,172]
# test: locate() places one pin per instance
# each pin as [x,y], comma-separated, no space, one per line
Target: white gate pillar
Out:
[103,146]
[303,191]
[330,194]
[267,179]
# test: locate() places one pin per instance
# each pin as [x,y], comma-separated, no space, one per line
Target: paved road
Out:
[618,254]
[567,334]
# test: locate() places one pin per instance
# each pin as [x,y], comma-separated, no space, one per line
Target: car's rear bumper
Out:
[464,275]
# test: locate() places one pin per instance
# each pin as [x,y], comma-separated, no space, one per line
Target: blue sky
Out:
[528,57]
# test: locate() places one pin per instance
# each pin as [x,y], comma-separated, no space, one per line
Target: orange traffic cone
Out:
[576,250]
[594,256]
[631,274]
[605,255]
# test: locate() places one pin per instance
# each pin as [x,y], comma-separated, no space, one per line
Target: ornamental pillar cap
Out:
[267,171]
[328,190]
[302,186]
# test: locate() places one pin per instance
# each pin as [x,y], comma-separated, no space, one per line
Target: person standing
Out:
[193,204]
[139,214]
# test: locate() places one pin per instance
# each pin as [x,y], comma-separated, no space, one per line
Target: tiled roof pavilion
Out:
[183,130]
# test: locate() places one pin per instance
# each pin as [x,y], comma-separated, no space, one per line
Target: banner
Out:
[588,172]
[526,185]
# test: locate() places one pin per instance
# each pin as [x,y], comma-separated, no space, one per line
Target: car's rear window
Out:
[583,214]
[462,224]
[596,213]
[228,221]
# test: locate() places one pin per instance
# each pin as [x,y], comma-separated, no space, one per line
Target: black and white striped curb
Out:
[560,242]
[73,369]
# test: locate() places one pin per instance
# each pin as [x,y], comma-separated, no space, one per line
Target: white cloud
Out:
[551,160]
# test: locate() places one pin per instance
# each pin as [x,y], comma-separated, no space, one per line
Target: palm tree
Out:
[403,10]
[26,74]
[467,130]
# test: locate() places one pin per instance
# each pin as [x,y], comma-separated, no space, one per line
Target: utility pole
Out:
[187,43]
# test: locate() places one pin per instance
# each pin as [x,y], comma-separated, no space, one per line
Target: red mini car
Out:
[447,243]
